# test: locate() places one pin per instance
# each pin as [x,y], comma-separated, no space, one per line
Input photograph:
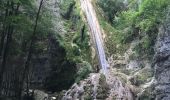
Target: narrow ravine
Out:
[117,90]
[98,86]
[96,33]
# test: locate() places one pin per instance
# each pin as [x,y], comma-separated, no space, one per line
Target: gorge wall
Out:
[162,61]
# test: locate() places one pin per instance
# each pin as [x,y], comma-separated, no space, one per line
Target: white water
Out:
[96,32]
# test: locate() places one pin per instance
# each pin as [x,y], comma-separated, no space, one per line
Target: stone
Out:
[162,62]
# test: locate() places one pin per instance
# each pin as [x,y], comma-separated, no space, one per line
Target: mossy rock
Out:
[148,94]
[142,77]
[88,92]
[102,91]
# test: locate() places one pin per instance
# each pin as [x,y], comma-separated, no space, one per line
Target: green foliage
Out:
[133,4]
[84,70]
[150,17]
[125,19]
[78,49]
[63,52]
[140,20]
[64,5]
[142,77]
[16,31]
[70,60]
[88,97]
[145,47]
[23,24]
[88,91]
[102,88]
[126,36]
[111,8]
[147,94]
[67,8]
[102,79]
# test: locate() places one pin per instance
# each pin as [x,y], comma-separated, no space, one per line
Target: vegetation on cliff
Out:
[133,20]
[43,45]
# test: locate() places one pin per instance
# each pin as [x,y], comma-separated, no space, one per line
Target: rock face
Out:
[97,87]
[162,62]
[118,90]
[86,89]
[40,95]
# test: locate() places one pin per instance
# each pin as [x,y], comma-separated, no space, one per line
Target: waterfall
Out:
[96,33]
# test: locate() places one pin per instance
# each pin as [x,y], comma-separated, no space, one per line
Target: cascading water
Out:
[96,33]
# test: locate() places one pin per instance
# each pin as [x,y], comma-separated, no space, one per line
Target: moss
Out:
[145,47]
[102,91]
[112,43]
[84,70]
[88,91]
[88,97]
[111,8]
[148,94]
[102,79]
[125,71]
[133,56]
[65,4]
[138,21]
[123,78]
[142,77]
[78,49]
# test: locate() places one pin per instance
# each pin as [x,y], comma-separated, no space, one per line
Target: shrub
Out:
[111,8]
[141,23]
[83,72]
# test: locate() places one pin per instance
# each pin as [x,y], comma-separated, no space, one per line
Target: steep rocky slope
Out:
[162,62]
[99,87]
[62,60]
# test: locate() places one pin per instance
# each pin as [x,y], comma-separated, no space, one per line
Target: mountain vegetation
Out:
[133,19]
[48,50]
[132,29]
[33,54]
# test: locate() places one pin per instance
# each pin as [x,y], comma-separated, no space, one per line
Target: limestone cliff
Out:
[162,62]
[99,87]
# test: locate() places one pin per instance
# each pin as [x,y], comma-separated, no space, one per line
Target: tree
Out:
[29,55]
[12,11]
[111,8]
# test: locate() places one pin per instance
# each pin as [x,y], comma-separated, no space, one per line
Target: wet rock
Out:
[162,62]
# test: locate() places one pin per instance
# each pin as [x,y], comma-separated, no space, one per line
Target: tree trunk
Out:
[82,33]
[29,55]
[9,33]
[4,28]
